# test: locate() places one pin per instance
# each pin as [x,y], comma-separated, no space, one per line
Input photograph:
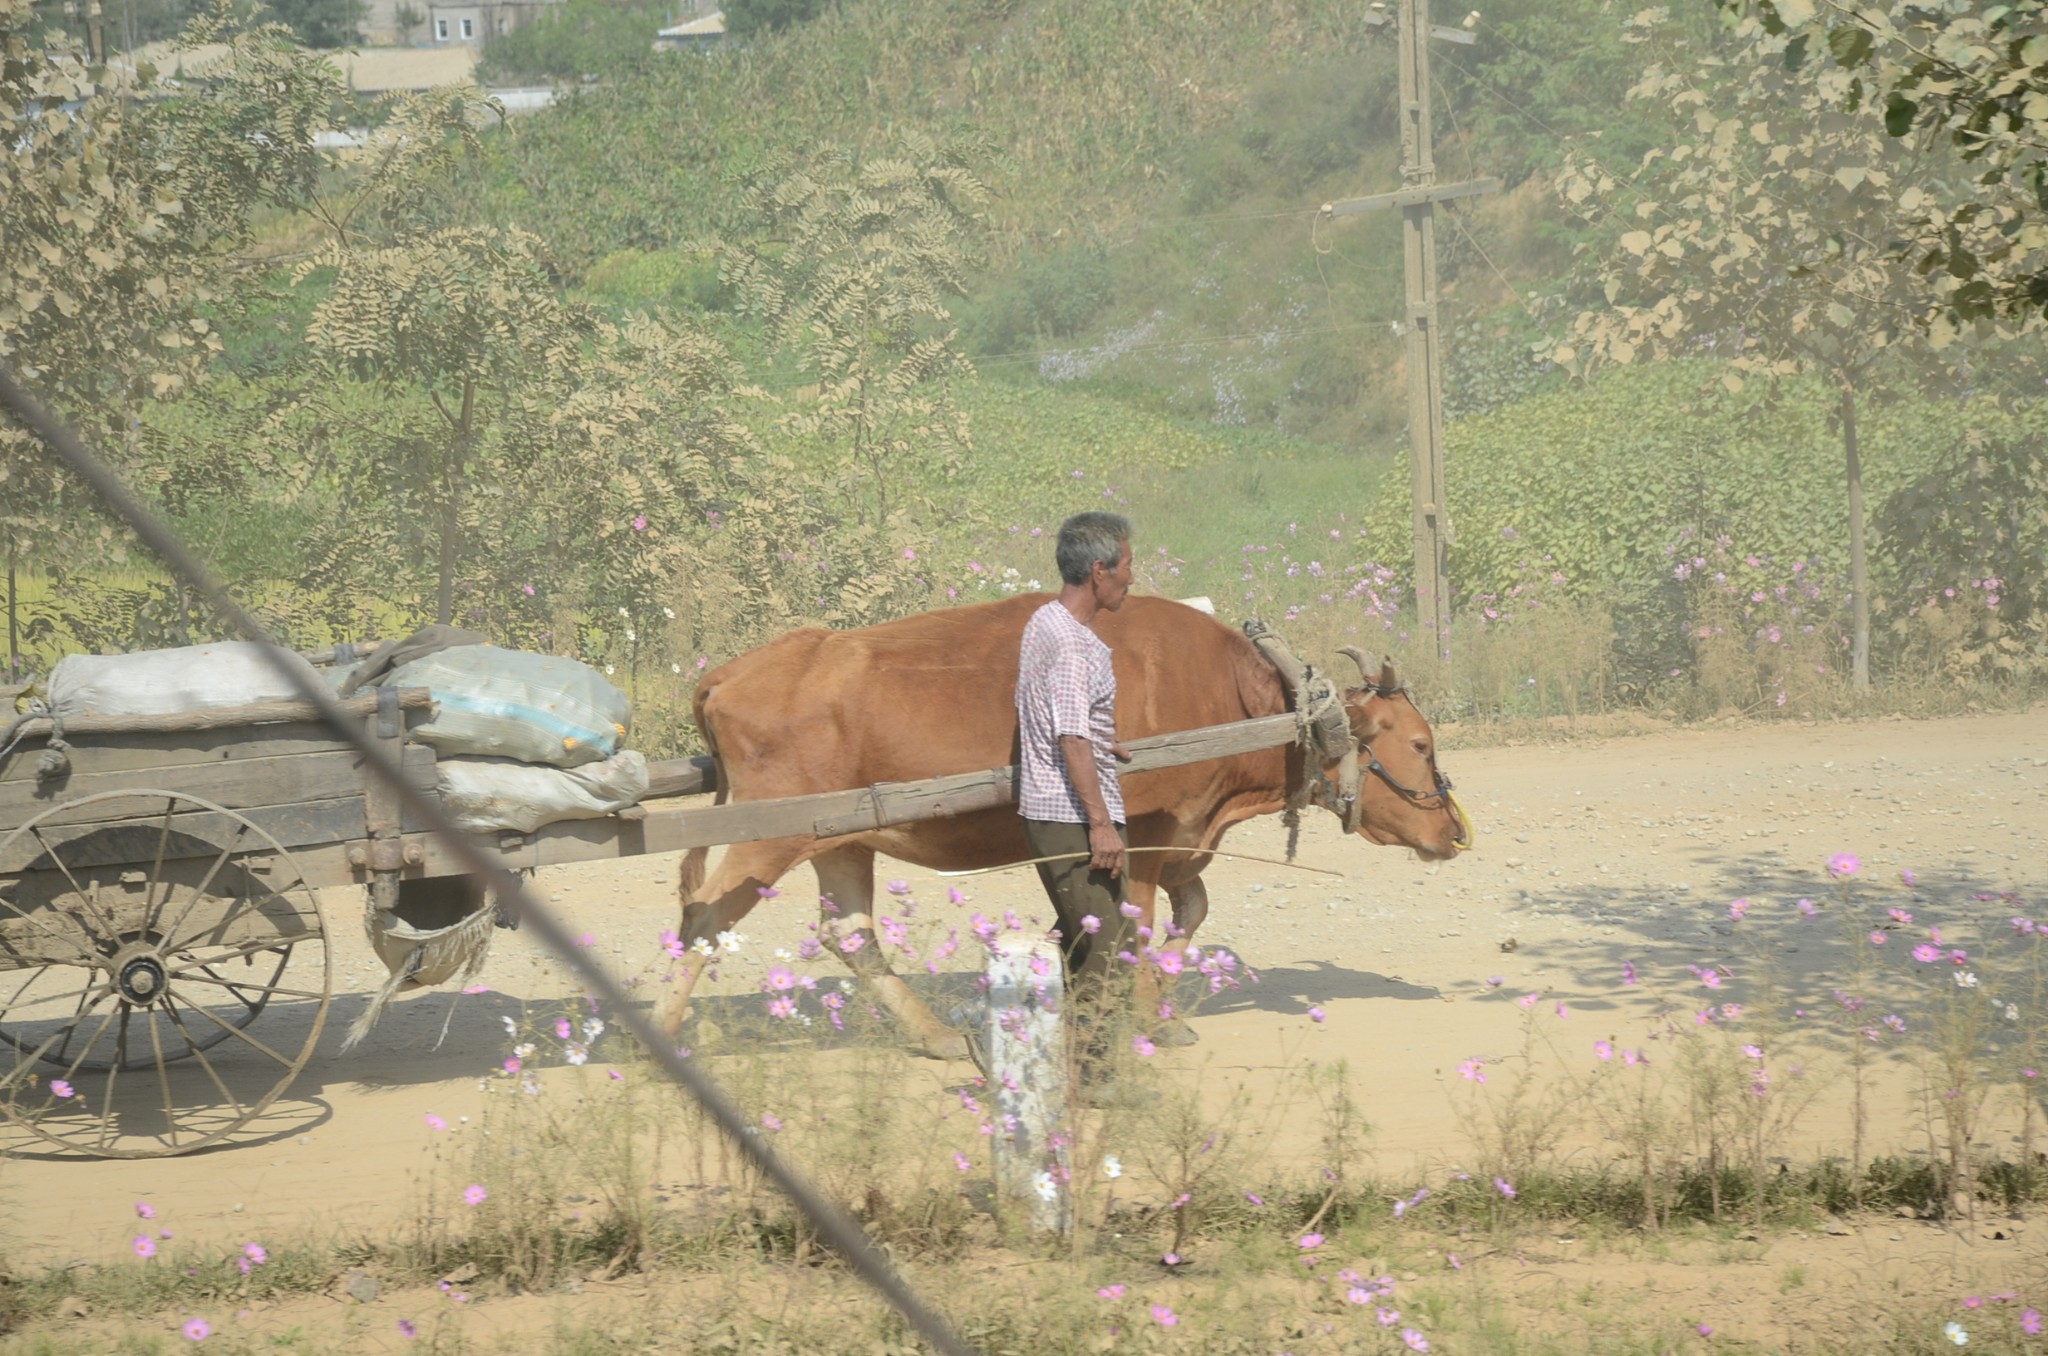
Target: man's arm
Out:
[1103,842]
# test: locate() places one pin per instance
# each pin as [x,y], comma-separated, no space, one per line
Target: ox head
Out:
[1402,799]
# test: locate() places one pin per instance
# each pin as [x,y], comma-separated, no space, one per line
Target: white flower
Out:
[2012,1012]
[669,613]
[624,613]
[730,941]
[592,1029]
[511,1029]
[1966,979]
[675,668]
[702,946]
[1047,1189]
[782,953]
[1031,583]
[530,1088]
[524,1050]
[608,670]
[630,635]
[1111,1168]
[1956,1333]
[575,1053]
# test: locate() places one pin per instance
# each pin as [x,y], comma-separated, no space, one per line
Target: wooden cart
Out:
[157,879]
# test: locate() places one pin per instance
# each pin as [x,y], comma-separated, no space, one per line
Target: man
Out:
[1066,718]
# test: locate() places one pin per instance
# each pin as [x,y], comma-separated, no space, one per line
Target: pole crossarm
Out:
[1378,16]
[1411,197]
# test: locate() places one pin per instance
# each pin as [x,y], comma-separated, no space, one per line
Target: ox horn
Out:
[1357,656]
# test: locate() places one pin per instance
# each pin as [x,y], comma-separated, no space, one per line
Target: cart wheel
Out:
[138,930]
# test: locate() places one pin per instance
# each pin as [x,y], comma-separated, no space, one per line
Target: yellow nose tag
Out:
[1471,830]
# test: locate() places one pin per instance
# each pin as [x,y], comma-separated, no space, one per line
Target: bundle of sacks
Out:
[521,739]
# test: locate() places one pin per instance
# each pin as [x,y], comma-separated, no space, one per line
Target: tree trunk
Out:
[451,503]
[1859,562]
[13,623]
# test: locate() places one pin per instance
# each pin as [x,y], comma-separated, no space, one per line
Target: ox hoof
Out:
[949,1046]
[1175,1035]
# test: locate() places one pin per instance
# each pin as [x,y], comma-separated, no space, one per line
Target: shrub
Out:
[578,38]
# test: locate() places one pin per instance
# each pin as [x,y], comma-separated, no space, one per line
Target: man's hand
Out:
[1120,753]
[1106,848]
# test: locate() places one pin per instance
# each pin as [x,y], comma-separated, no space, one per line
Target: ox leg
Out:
[1190,900]
[724,900]
[846,878]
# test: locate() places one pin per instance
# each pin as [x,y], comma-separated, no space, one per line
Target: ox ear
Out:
[1368,720]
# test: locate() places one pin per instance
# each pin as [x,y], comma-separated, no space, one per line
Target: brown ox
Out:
[935,694]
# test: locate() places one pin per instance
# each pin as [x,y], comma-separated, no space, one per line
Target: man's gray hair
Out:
[1087,538]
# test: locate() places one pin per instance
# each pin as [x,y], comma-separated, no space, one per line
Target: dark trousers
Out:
[1078,891]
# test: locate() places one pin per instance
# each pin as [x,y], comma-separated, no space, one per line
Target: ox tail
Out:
[696,859]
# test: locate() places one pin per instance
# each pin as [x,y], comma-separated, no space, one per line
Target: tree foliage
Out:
[123,210]
[745,18]
[569,41]
[1972,75]
[853,263]
[1763,235]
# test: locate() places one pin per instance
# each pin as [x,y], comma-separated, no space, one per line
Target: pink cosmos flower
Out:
[1388,1317]
[782,1008]
[961,1161]
[408,1329]
[1529,1000]
[1711,978]
[1110,1292]
[770,1121]
[1504,1187]
[639,522]
[1143,1046]
[1311,1240]
[781,978]
[1090,924]
[198,1330]
[256,1253]
[144,1246]
[1737,910]
[1164,1317]
[62,1090]
[1473,1070]
[1129,910]
[1808,908]
[475,1195]
[145,1210]
[2030,1322]
[1603,1049]
[1844,865]
[1415,1340]
[1628,972]
[1926,954]
[1315,1014]
[1878,939]
[1562,1010]
[562,1028]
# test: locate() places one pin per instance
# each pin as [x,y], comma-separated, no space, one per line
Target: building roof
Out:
[711,25]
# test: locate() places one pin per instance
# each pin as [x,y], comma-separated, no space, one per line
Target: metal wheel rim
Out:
[158,988]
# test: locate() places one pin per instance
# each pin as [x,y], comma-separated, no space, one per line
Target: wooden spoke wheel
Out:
[142,933]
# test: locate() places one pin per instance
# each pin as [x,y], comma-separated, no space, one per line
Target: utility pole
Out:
[1417,200]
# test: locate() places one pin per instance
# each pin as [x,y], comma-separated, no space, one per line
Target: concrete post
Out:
[1027,1063]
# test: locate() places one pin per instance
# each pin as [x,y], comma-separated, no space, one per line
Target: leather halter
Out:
[1349,805]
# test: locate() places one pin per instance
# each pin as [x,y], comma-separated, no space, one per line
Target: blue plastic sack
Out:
[535,708]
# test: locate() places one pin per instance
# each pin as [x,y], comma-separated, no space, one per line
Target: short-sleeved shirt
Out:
[1065,686]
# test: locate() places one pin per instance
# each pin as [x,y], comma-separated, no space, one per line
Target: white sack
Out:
[164,682]
[486,795]
[495,703]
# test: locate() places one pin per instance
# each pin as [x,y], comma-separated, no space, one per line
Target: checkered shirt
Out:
[1065,686]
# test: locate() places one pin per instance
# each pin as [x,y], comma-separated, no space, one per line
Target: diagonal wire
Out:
[832,1224]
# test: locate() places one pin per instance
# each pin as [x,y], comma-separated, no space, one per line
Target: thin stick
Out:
[1207,852]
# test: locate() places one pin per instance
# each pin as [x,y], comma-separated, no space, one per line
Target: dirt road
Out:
[1593,854]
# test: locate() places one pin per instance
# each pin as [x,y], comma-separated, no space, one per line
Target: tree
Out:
[1763,236]
[745,18]
[124,205]
[1974,76]
[852,266]
[321,23]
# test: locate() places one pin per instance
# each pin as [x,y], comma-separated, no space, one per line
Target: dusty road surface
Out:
[1596,858]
